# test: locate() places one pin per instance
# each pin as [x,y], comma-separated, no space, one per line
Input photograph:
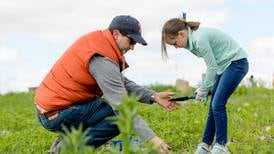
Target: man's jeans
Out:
[92,115]
[225,85]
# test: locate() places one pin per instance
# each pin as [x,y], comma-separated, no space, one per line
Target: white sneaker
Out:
[56,146]
[219,149]
[202,149]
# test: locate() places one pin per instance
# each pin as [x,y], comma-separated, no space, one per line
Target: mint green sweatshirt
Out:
[216,48]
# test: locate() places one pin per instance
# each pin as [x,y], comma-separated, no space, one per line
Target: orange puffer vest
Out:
[69,81]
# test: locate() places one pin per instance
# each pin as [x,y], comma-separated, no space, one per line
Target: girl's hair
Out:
[171,29]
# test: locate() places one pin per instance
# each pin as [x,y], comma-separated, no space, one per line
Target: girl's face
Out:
[180,41]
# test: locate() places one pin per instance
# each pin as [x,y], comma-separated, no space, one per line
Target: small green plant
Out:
[74,141]
[127,113]
[125,119]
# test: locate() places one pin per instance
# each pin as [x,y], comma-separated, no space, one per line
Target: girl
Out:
[226,66]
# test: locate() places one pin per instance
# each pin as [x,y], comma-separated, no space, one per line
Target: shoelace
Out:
[205,148]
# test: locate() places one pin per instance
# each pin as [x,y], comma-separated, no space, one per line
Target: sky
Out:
[35,33]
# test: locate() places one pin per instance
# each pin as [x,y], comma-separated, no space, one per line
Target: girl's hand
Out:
[201,94]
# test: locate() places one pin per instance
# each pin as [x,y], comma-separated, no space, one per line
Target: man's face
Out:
[124,42]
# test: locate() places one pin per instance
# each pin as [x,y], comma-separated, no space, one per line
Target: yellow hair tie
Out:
[183,20]
[183,17]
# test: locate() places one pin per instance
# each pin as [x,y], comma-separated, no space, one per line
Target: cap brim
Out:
[138,39]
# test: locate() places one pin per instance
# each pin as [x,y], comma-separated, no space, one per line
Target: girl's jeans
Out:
[93,115]
[225,85]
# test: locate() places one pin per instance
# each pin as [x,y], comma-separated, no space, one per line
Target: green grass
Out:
[19,130]
[250,118]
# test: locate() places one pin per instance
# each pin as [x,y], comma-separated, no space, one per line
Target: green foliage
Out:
[125,119]
[74,141]
[250,121]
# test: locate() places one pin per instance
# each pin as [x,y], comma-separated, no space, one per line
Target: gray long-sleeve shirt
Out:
[114,85]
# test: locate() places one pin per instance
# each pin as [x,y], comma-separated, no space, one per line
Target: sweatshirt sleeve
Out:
[210,61]
[143,94]
[110,80]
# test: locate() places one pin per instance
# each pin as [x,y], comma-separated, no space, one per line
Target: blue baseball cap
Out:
[129,26]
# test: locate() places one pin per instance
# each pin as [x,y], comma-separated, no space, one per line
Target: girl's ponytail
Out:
[193,25]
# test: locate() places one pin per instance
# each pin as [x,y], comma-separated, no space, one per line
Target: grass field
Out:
[250,118]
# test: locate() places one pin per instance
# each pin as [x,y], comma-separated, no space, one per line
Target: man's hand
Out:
[160,145]
[162,98]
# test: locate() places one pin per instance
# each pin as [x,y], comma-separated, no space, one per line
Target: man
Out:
[91,68]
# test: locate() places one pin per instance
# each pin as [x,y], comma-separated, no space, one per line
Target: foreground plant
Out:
[74,140]
[127,113]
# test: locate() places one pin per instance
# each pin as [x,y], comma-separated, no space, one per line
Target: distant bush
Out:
[159,87]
